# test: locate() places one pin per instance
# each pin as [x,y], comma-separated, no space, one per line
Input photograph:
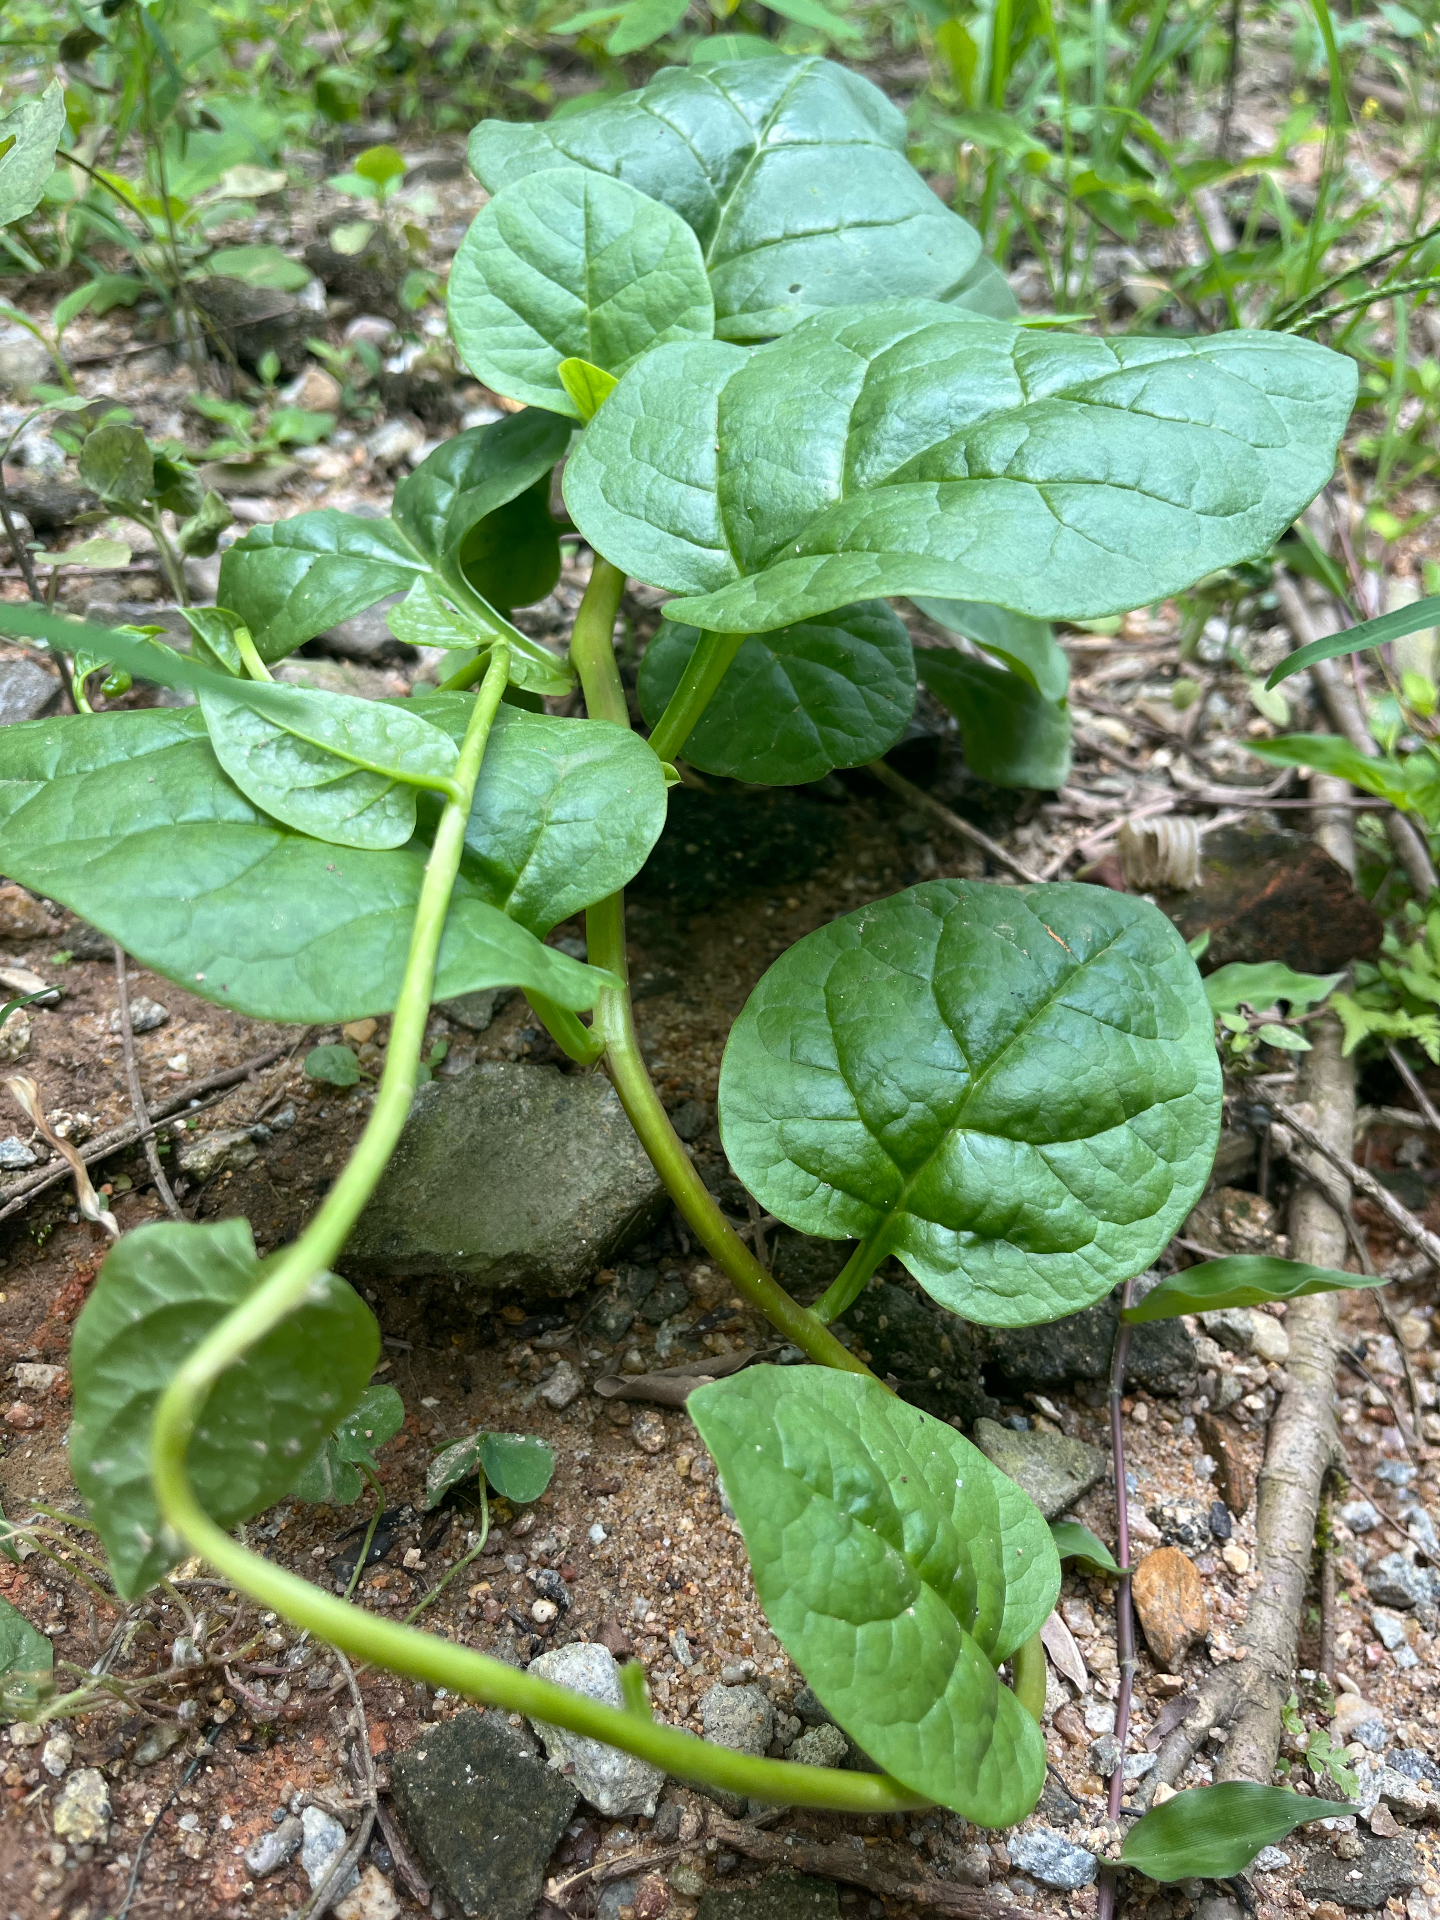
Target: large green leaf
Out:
[29,134]
[1016,1087]
[898,1569]
[161,1290]
[468,477]
[1028,647]
[569,263]
[1012,735]
[791,173]
[1210,1833]
[797,702]
[344,770]
[1260,983]
[129,819]
[1241,1280]
[912,449]
[27,1659]
[566,811]
[511,557]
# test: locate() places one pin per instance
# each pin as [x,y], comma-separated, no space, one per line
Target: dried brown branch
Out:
[884,1873]
[917,797]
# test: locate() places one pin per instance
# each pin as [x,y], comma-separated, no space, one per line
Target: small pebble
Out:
[275,1848]
[544,1612]
[597,1534]
[649,1432]
[1235,1558]
[57,1753]
[562,1388]
[15,1156]
[145,1015]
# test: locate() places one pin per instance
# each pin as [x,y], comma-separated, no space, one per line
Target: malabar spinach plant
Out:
[786,390]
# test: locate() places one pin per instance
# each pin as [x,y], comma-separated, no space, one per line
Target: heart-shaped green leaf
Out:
[1012,735]
[566,811]
[1014,1090]
[517,1465]
[341,769]
[332,1478]
[898,1569]
[1241,1280]
[29,135]
[117,463]
[1028,647]
[1210,1833]
[572,264]
[796,702]
[425,618]
[791,173]
[213,642]
[912,449]
[131,822]
[27,1659]
[161,1290]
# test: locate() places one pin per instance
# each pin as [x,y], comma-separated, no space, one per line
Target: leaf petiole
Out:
[704,671]
[250,655]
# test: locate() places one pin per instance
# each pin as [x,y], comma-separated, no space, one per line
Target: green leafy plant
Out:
[1213,1832]
[787,389]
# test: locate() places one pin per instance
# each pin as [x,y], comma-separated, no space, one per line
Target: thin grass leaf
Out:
[1370,633]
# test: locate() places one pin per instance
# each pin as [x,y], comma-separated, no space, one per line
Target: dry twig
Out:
[887,1875]
[137,1092]
[917,797]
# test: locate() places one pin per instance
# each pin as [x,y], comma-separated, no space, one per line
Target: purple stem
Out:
[1124,1615]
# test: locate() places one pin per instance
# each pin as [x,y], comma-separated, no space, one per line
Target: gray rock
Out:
[933,1358]
[1270,1860]
[822,1746]
[274,1849]
[1397,1582]
[15,1156]
[1052,1469]
[322,1838]
[1105,1755]
[26,690]
[1414,1764]
[365,637]
[620,1893]
[484,1811]
[24,363]
[1389,1630]
[1379,1784]
[511,1175]
[145,1015]
[475,1011]
[1359,1516]
[741,1718]
[690,1119]
[1051,1859]
[210,1153]
[563,1387]
[1420,1526]
[612,1782]
[1385,1869]
[1243,1330]
[784,1896]
[1162,1354]
[81,1813]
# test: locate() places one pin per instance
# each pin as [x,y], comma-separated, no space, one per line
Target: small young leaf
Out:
[199,535]
[458,1462]
[517,1465]
[1210,1833]
[332,1479]
[380,164]
[587,386]
[117,462]
[1012,735]
[342,769]
[101,551]
[161,1289]
[27,1658]
[260,266]
[335,1065]
[214,643]
[1240,1280]
[1260,984]
[425,618]
[571,264]
[1016,1088]
[832,692]
[1074,1542]
[1286,1038]
[897,1568]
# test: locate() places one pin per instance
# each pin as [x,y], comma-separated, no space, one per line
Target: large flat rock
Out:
[510,1176]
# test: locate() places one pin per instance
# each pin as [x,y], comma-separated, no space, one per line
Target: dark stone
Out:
[672,1297]
[26,690]
[716,845]
[369,280]
[1162,1354]
[485,1812]
[254,321]
[1057,1803]
[1220,1524]
[1386,1869]
[1414,1764]
[784,1896]
[1184,1526]
[931,1356]
[1266,894]
[87,942]
[49,505]
[690,1119]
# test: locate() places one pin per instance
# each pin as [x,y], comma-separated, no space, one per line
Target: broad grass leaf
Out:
[898,1569]
[27,1659]
[1326,753]
[131,822]
[1016,1086]
[909,448]
[1240,1280]
[1210,1833]
[346,771]
[1259,984]
[1074,1542]
[795,703]
[161,1290]
[567,264]
[790,172]
[1370,633]
[1012,735]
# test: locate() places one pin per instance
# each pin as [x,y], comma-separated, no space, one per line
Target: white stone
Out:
[373,1899]
[33,1376]
[82,1813]
[57,1753]
[613,1782]
[322,1837]
[562,1387]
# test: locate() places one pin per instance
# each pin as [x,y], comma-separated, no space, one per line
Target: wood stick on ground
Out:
[1346,718]
[886,1875]
[1362,1181]
[917,797]
[1245,1697]
[137,1092]
[116,1138]
[1417,1092]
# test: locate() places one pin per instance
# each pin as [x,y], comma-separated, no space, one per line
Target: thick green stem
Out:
[581,1043]
[593,653]
[703,673]
[1027,1677]
[845,1289]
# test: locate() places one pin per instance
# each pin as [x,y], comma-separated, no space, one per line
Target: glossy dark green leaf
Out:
[791,173]
[27,1659]
[796,702]
[128,819]
[29,134]
[511,557]
[332,1478]
[292,579]
[336,1065]
[1012,735]
[1359,639]
[344,770]
[161,1290]
[1259,984]
[1016,1087]
[1241,1280]
[1028,647]
[898,1569]
[468,477]
[566,811]
[913,449]
[568,263]
[117,463]
[1074,1542]
[1210,1833]
[213,641]
[517,1465]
